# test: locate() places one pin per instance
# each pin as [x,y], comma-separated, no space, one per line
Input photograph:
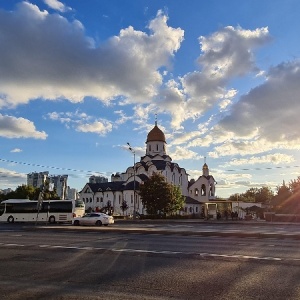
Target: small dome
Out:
[156,134]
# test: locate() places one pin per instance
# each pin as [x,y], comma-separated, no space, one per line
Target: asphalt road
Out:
[84,263]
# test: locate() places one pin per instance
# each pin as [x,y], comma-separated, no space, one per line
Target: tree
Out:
[160,197]
[124,206]
[258,195]
[22,192]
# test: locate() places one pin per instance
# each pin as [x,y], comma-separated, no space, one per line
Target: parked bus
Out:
[24,210]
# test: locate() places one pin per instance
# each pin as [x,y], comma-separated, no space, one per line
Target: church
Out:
[123,187]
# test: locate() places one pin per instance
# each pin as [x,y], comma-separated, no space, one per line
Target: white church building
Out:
[123,187]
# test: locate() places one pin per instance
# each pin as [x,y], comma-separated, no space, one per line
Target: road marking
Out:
[127,250]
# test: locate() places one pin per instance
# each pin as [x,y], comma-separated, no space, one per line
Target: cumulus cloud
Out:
[270,110]
[12,127]
[226,54]
[57,5]
[44,55]
[180,153]
[99,127]
[82,122]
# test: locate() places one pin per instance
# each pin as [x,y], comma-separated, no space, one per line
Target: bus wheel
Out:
[52,220]
[10,219]
[76,223]
[99,223]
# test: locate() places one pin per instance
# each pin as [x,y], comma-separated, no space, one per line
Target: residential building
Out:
[97,179]
[37,179]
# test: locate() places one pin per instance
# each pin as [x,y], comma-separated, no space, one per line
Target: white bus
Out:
[24,210]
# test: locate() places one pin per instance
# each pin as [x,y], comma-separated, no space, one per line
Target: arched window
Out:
[203,190]
[196,192]
[211,191]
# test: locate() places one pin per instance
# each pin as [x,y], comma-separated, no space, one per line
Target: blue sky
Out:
[78,80]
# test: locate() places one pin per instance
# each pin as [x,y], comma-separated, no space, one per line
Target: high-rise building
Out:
[97,179]
[60,184]
[37,179]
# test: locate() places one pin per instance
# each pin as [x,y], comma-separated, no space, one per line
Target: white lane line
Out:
[157,252]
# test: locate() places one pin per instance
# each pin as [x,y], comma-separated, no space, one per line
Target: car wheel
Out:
[52,220]
[10,219]
[76,223]
[99,223]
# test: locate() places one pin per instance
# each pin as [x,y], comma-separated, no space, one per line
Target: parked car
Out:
[97,219]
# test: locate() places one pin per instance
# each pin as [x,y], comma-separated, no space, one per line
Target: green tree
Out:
[22,192]
[160,197]
[124,206]
[258,195]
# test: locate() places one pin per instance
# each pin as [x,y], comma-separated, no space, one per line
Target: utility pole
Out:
[134,206]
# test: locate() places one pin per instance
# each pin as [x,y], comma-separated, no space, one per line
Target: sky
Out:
[81,79]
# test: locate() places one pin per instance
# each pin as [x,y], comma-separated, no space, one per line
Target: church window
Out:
[97,199]
[203,190]
[101,199]
[191,209]
[156,147]
[90,200]
[211,190]
[196,192]
[196,209]
[149,147]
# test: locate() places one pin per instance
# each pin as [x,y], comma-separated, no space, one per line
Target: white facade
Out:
[122,186]
[204,188]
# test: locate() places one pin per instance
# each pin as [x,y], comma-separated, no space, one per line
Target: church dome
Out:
[156,134]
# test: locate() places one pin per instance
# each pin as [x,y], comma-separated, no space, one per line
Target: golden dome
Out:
[156,134]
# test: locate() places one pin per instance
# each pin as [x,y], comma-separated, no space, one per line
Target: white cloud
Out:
[226,54]
[11,179]
[276,159]
[181,153]
[12,127]
[271,108]
[100,127]
[59,61]
[16,150]
[57,5]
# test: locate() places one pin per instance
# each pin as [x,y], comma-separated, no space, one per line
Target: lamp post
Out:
[133,151]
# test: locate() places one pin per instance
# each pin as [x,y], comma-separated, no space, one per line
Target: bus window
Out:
[2,207]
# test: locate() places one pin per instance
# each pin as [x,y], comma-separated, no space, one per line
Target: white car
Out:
[97,219]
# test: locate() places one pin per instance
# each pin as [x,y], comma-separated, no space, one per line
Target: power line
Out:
[261,169]
[49,167]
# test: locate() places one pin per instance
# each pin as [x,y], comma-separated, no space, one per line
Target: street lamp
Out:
[133,151]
